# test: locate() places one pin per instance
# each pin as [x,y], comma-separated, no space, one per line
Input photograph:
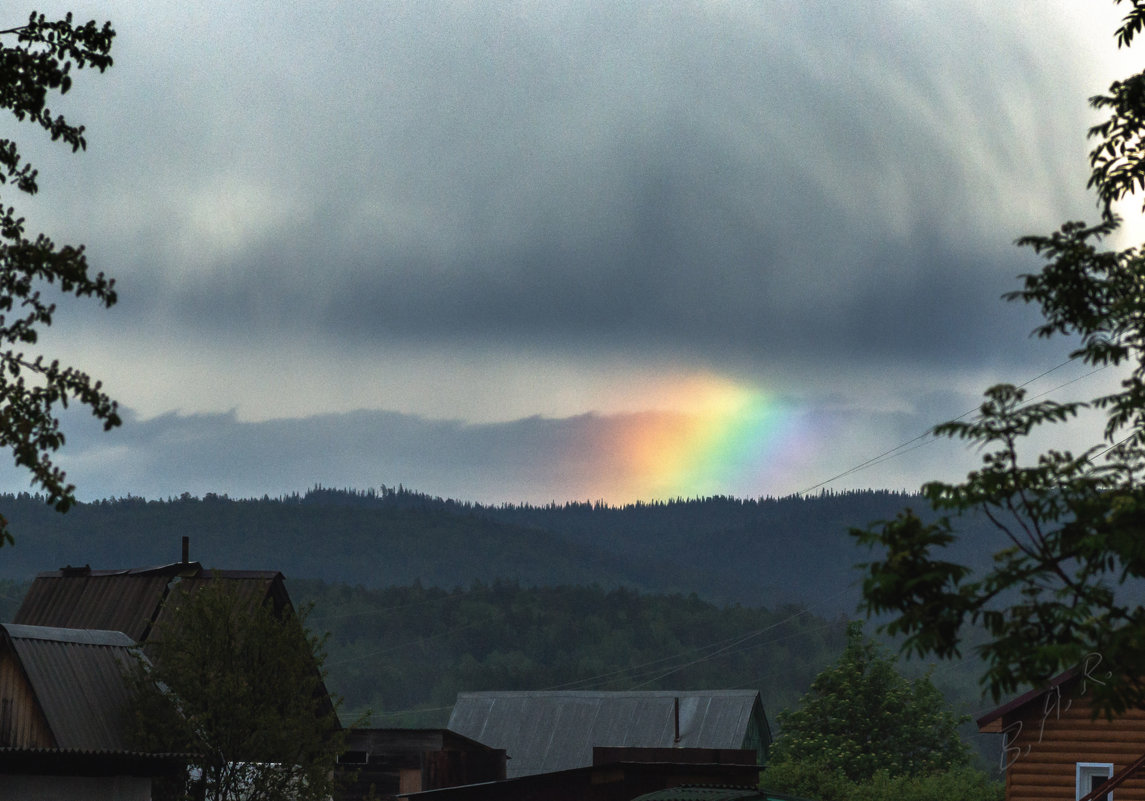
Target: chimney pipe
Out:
[186,549]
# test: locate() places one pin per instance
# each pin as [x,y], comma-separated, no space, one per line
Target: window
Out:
[1090,775]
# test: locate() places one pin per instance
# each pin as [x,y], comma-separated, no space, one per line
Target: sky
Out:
[550,251]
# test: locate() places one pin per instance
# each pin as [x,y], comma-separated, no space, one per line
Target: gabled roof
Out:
[78,682]
[608,780]
[129,600]
[552,731]
[991,722]
[133,601]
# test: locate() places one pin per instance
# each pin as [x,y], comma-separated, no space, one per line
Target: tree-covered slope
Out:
[405,652]
[763,552]
[370,545]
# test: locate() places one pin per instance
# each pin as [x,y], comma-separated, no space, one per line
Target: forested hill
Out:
[405,652]
[760,552]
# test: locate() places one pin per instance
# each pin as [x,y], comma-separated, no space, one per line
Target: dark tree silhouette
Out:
[37,59]
[1071,524]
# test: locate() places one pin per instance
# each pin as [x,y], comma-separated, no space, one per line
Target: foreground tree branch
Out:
[37,59]
[1058,593]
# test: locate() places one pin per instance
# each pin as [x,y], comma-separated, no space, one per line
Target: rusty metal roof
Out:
[77,677]
[135,601]
[552,731]
[129,600]
[121,602]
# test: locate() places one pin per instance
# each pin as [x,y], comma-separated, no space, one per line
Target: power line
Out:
[719,648]
[387,609]
[927,437]
[722,648]
[725,651]
[405,645]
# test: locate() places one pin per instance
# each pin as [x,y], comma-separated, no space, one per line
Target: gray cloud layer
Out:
[580,172]
[766,189]
[534,460]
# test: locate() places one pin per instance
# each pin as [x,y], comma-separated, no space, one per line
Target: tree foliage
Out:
[1073,523]
[861,716]
[824,783]
[240,686]
[787,550]
[405,652]
[36,60]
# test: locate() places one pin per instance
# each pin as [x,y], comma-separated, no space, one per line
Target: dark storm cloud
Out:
[520,206]
[679,280]
[203,453]
[711,182]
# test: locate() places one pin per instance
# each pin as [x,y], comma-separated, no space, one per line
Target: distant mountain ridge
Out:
[763,552]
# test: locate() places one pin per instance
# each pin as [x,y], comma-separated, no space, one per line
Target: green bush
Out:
[825,783]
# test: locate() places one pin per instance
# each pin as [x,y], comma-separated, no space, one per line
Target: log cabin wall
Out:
[22,723]
[1048,737]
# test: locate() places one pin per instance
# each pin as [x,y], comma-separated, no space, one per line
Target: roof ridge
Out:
[98,637]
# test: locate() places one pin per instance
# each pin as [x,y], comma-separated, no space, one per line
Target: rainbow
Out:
[709,436]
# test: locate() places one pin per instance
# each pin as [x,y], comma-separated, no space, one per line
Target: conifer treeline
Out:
[405,652]
[761,552]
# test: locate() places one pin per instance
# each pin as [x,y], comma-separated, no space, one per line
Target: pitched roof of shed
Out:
[77,677]
[991,722]
[551,731]
[133,601]
[128,600]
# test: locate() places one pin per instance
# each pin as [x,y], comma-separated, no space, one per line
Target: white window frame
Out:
[1085,772]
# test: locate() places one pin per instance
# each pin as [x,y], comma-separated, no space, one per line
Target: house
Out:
[618,774]
[1054,750]
[143,603]
[132,600]
[63,707]
[387,762]
[544,732]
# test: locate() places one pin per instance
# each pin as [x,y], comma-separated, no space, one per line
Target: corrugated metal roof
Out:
[78,679]
[695,793]
[551,731]
[133,601]
[79,636]
[127,600]
[121,602]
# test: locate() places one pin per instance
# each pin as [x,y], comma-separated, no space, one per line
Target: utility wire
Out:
[405,645]
[660,674]
[927,437]
[387,609]
[720,648]
[725,652]
[904,450]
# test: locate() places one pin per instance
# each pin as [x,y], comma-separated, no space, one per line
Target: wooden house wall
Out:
[452,768]
[758,734]
[22,724]
[392,761]
[1048,737]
